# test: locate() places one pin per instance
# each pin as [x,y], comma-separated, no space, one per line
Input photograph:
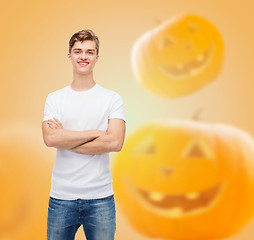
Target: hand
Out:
[54,123]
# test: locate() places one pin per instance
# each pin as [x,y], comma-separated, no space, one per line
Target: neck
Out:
[82,82]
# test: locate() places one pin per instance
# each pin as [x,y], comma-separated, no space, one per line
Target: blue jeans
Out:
[98,217]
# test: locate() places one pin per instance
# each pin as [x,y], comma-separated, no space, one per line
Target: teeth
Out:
[155,196]
[83,63]
[192,195]
[175,212]
[194,71]
[200,58]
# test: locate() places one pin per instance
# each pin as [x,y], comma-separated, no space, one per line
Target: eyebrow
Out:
[91,49]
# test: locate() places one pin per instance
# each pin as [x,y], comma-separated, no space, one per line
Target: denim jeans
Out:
[98,217]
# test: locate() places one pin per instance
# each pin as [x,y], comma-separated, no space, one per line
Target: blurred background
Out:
[33,63]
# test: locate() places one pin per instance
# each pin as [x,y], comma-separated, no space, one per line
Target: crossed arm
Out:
[85,142]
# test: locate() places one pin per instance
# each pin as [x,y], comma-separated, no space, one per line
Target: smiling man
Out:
[85,122]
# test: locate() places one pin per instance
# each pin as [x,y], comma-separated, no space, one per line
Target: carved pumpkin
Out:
[186,180]
[25,171]
[178,57]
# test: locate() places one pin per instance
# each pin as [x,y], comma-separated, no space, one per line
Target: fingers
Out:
[55,123]
[52,121]
[58,122]
[51,124]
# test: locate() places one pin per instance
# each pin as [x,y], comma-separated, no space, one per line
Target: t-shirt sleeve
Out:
[117,107]
[50,109]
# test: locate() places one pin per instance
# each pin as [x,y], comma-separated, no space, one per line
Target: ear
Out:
[97,57]
[69,56]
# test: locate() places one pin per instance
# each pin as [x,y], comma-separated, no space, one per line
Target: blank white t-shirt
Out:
[78,175]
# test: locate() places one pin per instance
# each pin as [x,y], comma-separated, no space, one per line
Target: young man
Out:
[85,122]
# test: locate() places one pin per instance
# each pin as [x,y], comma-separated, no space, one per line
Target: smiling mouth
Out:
[178,205]
[190,68]
[83,64]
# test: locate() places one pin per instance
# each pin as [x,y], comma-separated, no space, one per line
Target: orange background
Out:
[34,47]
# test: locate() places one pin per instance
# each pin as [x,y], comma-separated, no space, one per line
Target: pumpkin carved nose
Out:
[165,171]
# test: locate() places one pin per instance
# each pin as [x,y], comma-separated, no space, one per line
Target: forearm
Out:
[67,139]
[100,145]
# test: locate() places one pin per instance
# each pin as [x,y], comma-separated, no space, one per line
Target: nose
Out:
[165,171]
[83,55]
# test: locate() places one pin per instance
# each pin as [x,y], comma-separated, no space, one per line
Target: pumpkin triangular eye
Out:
[165,42]
[193,27]
[146,146]
[198,149]
[168,41]
[195,151]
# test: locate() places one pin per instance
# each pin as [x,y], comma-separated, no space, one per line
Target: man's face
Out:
[83,56]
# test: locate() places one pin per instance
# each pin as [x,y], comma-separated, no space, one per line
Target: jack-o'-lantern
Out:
[186,180]
[179,56]
[25,171]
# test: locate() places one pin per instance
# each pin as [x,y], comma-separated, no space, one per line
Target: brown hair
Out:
[83,35]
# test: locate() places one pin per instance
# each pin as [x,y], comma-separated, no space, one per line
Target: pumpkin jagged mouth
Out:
[190,68]
[179,205]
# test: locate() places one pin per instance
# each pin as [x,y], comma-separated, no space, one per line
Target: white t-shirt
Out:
[78,175]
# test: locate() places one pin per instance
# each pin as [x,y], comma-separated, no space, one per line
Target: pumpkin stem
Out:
[196,114]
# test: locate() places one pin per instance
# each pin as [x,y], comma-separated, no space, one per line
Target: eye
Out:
[195,151]
[146,146]
[168,41]
[198,149]
[192,27]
